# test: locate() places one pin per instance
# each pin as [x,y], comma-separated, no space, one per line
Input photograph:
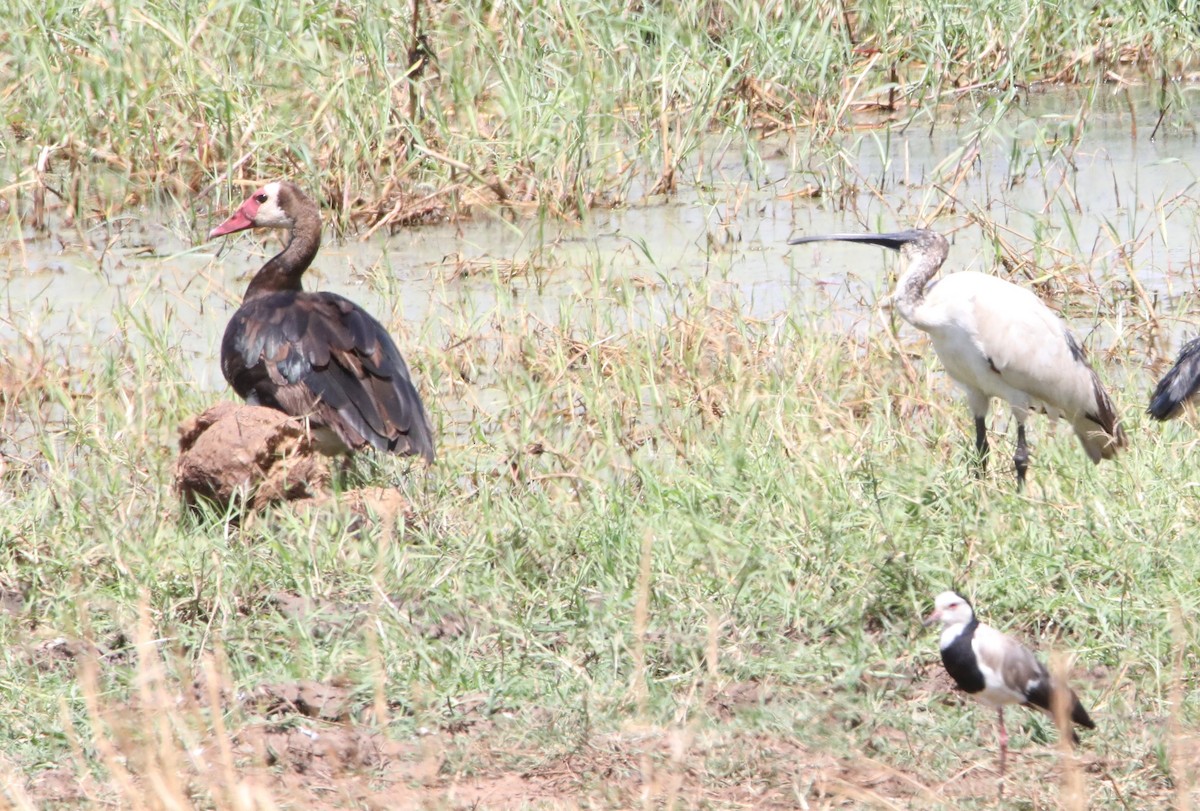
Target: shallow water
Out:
[1086,206]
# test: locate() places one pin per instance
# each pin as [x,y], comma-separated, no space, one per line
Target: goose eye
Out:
[261,198]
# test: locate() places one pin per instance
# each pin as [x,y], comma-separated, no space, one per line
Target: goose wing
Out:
[322,356]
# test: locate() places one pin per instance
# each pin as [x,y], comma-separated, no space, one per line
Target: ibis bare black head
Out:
[921,237]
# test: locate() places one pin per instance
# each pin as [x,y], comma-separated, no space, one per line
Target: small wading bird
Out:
[1178,385]
[998,340]
[996,669]
[316,355]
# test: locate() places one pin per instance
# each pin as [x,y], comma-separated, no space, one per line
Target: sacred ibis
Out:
[997,339]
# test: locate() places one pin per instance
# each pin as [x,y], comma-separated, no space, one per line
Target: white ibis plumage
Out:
[316,355]
[997,339]
[1178,385]
[996,669]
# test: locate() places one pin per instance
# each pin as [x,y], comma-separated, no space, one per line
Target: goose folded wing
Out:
[357,371]
[321,356]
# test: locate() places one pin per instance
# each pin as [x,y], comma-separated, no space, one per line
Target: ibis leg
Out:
[981,443]
[1021,457]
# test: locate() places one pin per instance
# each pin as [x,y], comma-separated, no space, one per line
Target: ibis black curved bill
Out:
[893,240]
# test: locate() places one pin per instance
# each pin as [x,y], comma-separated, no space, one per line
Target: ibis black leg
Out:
[1021,457]
[981,443]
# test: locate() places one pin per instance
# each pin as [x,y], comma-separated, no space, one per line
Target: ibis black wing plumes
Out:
[1178,385]
[321,355]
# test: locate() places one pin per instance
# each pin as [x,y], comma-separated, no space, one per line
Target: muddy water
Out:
[1087,204]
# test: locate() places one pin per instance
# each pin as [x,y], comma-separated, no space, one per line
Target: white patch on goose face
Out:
[270,214]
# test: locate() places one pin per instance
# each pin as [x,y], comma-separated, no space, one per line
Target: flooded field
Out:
[1063,197]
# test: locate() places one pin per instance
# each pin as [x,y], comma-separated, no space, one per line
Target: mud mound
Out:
[313,699]
[234,451]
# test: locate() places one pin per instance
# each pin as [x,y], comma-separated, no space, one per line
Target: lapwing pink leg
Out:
[1003,741]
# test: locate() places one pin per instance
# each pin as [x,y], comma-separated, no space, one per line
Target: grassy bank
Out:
[670,555]
[686,559]
[547,107]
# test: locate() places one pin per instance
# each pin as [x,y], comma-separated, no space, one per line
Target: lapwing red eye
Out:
[262,198]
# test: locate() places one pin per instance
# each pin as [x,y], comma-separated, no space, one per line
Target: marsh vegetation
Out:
[693,492]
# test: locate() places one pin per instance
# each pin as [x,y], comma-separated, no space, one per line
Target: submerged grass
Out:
[553,107]
[682,554]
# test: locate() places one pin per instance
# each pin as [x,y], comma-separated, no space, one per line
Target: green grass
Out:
[802,498]
[668,550]
[553,107]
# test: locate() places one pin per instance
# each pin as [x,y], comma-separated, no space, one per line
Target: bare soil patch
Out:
[304,750]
